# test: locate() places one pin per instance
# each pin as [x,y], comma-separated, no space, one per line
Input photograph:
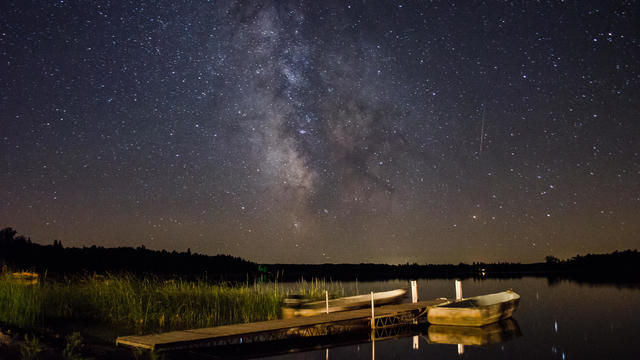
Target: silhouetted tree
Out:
[551,259]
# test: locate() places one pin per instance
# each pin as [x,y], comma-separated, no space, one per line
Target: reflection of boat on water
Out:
[299,307]
[475,311]
[433,334]
[502,331]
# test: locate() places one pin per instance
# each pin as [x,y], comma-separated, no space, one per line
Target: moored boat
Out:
[475,311]
[299,307]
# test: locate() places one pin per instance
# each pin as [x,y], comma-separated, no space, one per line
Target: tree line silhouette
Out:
[619,266]
[18,252]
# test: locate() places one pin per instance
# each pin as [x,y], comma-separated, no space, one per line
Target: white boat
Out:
[475,311]
[298,307]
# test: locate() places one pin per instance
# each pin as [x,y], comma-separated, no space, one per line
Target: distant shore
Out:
[19,253]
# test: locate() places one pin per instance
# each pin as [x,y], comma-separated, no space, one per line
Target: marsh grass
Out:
[20,304]
[315,289]
[31,348]
[132,304]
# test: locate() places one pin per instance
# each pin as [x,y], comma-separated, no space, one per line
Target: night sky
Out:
[323,131]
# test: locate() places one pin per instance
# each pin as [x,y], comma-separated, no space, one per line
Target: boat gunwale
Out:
[477,305]
[383,296]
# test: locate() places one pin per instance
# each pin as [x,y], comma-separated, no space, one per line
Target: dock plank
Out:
[183,337]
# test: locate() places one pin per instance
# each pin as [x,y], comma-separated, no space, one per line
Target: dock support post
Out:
[414,291]
[326,299]
[373,345]
[458,290]
[373,319]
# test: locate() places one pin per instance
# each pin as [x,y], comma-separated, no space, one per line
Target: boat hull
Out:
[476,311]
[342,304]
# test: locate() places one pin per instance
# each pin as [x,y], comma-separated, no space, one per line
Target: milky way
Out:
[323,131]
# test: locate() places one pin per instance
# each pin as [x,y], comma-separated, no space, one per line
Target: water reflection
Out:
[362,338]
[477,336]
[462,336]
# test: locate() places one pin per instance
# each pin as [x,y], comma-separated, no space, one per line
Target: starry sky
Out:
[323,131]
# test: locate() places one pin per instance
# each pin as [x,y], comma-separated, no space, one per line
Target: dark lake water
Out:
[563,320]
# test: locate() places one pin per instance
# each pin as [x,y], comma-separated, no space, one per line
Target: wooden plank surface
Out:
[155,341]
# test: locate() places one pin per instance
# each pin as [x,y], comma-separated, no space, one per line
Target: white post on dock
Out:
[416,342]
[414,291]
[373,319]
[458,290]
[326,299]
[460,349]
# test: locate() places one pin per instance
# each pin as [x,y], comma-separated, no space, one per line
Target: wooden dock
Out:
[319,325]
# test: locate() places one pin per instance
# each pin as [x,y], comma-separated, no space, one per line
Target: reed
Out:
[151,305]
[132,304]
[315,288]
[20,304]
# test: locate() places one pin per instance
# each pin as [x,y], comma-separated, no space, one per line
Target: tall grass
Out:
[315,288]
[20,304]
[144,305]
